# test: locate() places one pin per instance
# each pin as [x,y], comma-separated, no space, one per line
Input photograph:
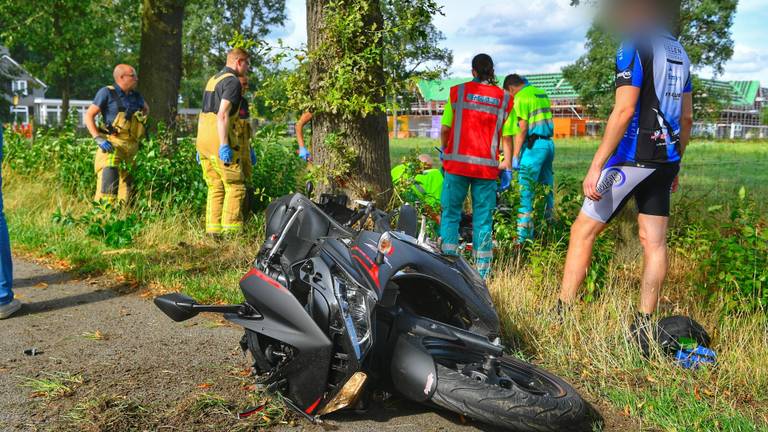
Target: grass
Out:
[54,385]
[171,253]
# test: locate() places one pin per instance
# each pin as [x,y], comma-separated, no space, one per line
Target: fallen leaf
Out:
[627,411]
[204,385]
[244,372]
[708,392]
[41,285]
[251,387]
[651,379]
[696,393]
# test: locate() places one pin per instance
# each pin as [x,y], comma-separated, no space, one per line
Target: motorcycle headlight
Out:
[357,305]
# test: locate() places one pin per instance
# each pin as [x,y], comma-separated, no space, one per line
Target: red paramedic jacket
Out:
[479,113]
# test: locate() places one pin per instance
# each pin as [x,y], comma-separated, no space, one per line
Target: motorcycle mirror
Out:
[177,306]
[309,188]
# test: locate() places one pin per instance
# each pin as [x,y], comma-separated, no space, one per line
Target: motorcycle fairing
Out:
[462,281]
[286,320]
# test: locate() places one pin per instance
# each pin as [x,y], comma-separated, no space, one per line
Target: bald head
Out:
[426,160]
[125,77]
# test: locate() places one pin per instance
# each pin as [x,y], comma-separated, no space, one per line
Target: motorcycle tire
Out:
[515,408]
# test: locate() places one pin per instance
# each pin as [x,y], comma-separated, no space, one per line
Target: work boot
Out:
[9,309]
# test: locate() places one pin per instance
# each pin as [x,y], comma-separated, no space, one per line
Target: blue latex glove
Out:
[506,180]
[225,153]
[104,145]
[515,163]
[253,156]
[304,154]
[197,158]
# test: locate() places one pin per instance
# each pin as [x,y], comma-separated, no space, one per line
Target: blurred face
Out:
[242,66]
[128,80]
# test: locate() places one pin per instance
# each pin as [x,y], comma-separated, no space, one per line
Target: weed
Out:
[95,336]
[56,385]
[107,413]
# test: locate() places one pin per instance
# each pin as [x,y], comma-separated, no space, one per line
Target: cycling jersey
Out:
[660,68]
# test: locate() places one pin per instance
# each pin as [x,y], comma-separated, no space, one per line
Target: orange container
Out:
[569,127]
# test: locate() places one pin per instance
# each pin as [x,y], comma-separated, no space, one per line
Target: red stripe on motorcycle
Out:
[313,406]
[373,271]
[265,278]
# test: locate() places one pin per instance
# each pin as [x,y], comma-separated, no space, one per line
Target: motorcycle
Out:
[334,314]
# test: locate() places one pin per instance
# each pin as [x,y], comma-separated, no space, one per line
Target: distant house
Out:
[18,85]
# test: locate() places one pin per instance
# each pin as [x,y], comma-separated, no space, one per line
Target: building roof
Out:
[5,55]
[742,93]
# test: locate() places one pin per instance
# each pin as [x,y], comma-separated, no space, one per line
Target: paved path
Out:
[142,356]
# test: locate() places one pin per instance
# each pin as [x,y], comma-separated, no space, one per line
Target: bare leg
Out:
[584,231]
[653,237]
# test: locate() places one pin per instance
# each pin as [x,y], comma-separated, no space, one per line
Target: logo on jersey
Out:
[613,177]
[627,74]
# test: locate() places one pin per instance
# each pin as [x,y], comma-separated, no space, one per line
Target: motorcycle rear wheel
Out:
[527,398]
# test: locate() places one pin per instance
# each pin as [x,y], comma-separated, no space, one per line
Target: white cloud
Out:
[530,36]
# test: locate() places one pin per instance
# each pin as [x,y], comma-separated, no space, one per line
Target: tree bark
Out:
[160,58]
[370,172]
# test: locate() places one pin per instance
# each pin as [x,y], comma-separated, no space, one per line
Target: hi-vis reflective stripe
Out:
[540,111]
[461,105]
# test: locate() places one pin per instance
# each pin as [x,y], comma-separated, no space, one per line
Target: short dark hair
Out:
[513,80]
[483,65]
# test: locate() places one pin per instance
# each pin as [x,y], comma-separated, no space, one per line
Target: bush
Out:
[731,249]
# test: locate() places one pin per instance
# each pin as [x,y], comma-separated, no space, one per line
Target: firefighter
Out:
[124,112]
[473,124]
[534,150]
[219,150]
[243,132]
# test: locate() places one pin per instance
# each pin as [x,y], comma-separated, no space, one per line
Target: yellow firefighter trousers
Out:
[226,191]
[114,183]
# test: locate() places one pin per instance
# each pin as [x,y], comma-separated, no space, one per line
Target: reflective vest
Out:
[207,133]
[533,106]
[479,112]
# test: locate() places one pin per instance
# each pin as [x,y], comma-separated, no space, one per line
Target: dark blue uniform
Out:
[132,102]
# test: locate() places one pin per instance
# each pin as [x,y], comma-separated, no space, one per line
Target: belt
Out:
[531,139]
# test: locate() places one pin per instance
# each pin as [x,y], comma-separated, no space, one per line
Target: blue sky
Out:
[528,36]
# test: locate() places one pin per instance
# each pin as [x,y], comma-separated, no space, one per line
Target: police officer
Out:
[473,123]
[218,146]
[639,156]
[124,113]
[534,150]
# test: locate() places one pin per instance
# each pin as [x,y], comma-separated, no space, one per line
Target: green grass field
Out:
[710,168]
[590,349]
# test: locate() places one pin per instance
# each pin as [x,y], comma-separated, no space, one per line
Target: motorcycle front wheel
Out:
[516,396]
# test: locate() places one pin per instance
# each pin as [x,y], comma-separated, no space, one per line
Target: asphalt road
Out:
[126,349]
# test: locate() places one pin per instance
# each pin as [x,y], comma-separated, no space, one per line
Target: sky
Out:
[535,36]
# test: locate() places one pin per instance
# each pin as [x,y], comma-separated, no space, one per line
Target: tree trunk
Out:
[65,102]
[160,58]
[369,176]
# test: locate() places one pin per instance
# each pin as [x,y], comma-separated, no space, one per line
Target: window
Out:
[20,114]
[19,87]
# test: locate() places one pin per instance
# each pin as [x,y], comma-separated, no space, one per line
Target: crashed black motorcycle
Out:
[333,314]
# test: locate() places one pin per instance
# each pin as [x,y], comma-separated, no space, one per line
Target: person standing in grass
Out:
[534,150]
[124,112]
[218,147]
[640,153]
[473,124]
[8,304]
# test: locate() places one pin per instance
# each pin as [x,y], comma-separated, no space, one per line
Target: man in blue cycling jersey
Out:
[640,153]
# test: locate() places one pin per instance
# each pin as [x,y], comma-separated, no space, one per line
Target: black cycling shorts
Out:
[650,185]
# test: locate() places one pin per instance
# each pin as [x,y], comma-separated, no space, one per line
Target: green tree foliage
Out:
[705,32]
[62,42]
[209,25]
[411,44]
